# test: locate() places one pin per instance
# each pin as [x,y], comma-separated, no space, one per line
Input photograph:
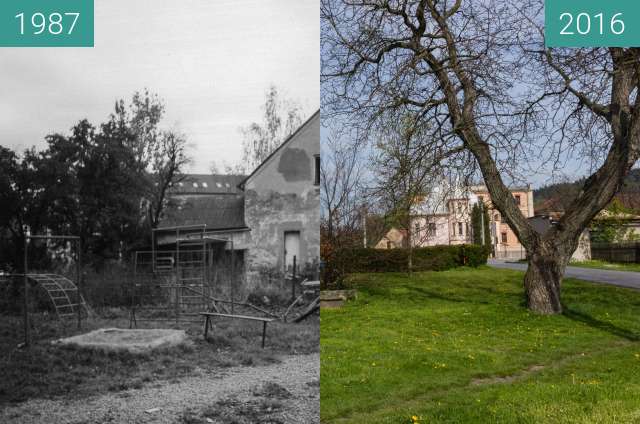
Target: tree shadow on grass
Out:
[578,316]
[440,296]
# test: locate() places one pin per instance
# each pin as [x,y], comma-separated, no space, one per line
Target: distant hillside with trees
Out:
[557,197]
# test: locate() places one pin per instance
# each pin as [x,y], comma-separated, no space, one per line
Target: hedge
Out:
[437,258]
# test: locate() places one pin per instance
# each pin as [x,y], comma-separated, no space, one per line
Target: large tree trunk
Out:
[543,279]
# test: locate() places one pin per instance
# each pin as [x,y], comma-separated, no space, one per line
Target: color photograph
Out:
[479,230]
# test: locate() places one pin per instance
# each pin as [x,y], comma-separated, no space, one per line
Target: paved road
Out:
[616,278]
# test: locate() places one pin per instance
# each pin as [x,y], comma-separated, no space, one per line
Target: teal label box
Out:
[592,23]
[46,23]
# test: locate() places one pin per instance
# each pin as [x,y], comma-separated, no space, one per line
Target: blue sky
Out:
[211,60]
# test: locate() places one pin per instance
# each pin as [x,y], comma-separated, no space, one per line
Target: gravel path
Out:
[298,374]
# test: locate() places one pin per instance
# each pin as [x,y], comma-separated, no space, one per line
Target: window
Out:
[497,217]
[195,185]
[454,228]
[504,237]
[517,197]
[466,227]
[480,199]
[416,228]
[219,185]
[316,180]
[431,229]
[205,185]
[460,228]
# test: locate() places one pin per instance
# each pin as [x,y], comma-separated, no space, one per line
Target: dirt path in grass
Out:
[372,414]
[299,375]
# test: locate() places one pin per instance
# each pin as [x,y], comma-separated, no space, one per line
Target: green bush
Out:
[437,258]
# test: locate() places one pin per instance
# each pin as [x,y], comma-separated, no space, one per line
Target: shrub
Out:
[437,258]
[475,255]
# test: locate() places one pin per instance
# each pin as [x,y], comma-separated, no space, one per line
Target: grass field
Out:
[460,347]
[47,371]
[607,265]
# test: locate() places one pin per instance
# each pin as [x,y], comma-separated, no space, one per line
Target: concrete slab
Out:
[336,298]
[132,340]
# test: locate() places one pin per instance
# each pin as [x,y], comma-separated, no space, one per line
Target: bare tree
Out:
[169,157]
[341,176]
[161,155]
[401,181]
[281,118]
[478,74]
[407,175]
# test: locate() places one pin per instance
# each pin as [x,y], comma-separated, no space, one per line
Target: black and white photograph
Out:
[160,217]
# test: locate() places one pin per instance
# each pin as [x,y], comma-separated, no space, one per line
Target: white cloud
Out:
[211,60]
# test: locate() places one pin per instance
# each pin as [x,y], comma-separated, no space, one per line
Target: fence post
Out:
[79,282]
[233,277]
[26,294]
[293,280]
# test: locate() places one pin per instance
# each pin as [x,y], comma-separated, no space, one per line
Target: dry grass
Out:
[48,371]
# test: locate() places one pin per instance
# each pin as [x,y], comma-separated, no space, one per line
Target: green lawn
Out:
[460,347]
[607,265]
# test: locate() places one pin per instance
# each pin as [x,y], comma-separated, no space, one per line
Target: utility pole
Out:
[482,221]
[26,291]
[364,226]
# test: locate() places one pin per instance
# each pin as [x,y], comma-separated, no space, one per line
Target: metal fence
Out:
[517,254]
[618,252]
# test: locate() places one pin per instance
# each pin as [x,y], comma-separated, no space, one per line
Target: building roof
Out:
[217,211]
[242,183]
[208,184]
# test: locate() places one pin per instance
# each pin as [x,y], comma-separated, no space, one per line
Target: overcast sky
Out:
[211,61]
